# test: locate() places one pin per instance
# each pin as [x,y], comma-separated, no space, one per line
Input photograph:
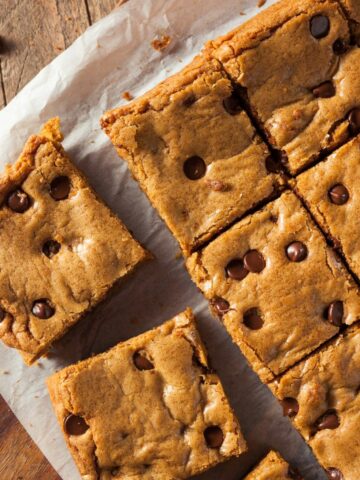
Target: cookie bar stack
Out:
[251,156]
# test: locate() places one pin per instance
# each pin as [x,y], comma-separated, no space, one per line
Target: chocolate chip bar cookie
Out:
[279,289]
[61,248]
[274,467]
[321,395]
[297,69]
[194,152]
[148,408]
[330,190]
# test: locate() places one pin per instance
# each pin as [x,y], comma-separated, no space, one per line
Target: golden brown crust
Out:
[292,312]
[328,383]
[96,250]
[272,467]
[147,424]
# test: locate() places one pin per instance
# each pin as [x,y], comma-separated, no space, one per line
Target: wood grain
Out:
[32,33]
[98,9]
[20,458]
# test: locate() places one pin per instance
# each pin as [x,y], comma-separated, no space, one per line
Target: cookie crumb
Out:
[5,372]
[242,13]
[216,185]
[261,3]
[127,96]
[161,43]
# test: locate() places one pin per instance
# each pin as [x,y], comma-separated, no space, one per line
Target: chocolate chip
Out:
[319,26]
[115,472]
[42,308]
[296,252]
[18,201]
[236,270]
[254,261]
[290,407]
[294,474]
[339,194]
[51,248]
[252,319]
[273,165]
[334,474]
[324,90]
[141,362]
[60,188]
[233,104]
[329,420]
[220,305]
[2,314]
[340,47]
[214,437]
[194,168]
[335,313]
[354,121]
[190,100]
[75,425]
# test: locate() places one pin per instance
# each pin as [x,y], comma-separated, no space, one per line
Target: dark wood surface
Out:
[32,33]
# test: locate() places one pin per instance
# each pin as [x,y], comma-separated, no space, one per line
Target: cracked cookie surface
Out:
[272,276]
[61,248]
[194,152]
[298,70]
[326,389]
[148,409]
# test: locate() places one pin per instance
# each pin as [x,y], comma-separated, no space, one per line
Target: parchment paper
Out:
[111,57]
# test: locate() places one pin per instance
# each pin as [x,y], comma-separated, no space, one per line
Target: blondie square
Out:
[279,289]
[331,191]
[61,248]
[194,152]
[298,71]
[149,408]
[321,395]
[273,467]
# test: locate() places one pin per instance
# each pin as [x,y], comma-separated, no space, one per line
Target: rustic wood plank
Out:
[98,9]
[35,32]
[20,458]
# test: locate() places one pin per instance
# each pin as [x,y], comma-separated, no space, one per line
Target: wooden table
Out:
[32,33]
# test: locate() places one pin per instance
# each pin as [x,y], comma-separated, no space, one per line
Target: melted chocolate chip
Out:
[252,319]
[233,104]
[2,314]
[190,100]
[51,248]
[290,407]
[254,261]
[324,90]
[296,252]
[334,474]
[141,362]
[75,425]
[354,121]
[329,420]
[220,305]
[42,309]
[18,201]
[340,47]
[339,194]
[194,168]
[319,26]
[236,270]
[214,437]
[60,188]
[335,313]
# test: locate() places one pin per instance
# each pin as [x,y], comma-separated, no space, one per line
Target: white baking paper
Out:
[111,57]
